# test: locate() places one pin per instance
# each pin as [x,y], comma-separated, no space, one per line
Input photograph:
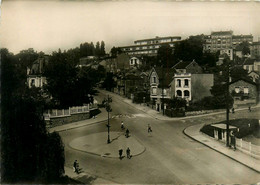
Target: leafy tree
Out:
[115,51]
[109,82]
[23,128]
[165,56]
[245,47]
[98,49]
[61,77]
[189,49]
[176,103]
[237,72]
[102,49]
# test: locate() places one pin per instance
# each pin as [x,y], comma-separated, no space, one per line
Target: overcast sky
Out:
[49,25]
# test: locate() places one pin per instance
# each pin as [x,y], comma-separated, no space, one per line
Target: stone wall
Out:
[57,121]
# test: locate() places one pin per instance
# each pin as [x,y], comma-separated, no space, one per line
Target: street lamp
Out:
[227,103]
[108,109]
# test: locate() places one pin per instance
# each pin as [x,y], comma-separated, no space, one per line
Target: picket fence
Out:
[53,113]
[248,147]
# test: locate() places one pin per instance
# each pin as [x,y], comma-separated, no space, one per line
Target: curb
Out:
[219,151]
[92,153]
[65,129]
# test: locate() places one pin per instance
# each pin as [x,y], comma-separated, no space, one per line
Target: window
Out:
[32,82]
[186,93]
[154,79]
[178,83]
[237,89]
[186,83]
[179,93]
[154,90]
[245,90]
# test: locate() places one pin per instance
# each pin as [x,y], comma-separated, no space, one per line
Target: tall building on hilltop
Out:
[225,42]
[149,46]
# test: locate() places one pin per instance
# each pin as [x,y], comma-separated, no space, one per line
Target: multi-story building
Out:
[149,46]
[225,42]
[255,49]
[191,86]
[34,74]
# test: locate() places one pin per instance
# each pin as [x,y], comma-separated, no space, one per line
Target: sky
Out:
[49,25]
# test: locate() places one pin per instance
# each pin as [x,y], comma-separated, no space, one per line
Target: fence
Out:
[67,112]
[248,147]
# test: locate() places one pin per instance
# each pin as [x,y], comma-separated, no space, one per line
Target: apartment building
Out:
[255,49]
[149,46]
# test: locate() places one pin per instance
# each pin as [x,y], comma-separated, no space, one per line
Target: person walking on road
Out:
[249,108]
[76,166]
[128,153]
[120,154]
[149,128]
[122,125]
[127,133]
[233,139]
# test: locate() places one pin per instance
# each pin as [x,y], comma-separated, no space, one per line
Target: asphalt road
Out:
[170,156]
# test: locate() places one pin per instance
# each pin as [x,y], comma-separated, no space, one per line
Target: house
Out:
[160,79]
[34,73]
[251,65]
[254,76]
[134,62]
[187,67]
[243,89]
[86,61]
[191,87]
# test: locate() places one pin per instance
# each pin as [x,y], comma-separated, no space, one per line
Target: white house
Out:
[134,61]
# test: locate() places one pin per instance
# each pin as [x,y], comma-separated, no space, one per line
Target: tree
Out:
[23,130]
[245,47]
[189,49]
[98,49]
[61,76]
[165,56]
[115,51]
[102,49]
[109,82]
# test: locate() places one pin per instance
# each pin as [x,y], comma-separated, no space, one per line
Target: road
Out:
[170,156]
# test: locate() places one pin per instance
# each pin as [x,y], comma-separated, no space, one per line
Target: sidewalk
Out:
[99,118]
[86,178]
[245,159]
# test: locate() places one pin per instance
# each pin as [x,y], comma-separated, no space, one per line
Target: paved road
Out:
[170,156]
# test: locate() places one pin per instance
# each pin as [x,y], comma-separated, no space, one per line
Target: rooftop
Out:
[159,38]
[222,33]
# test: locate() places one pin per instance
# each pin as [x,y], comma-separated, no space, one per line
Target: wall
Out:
[201,85]
[57,121]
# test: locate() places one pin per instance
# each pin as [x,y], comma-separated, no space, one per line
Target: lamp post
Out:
[108,109]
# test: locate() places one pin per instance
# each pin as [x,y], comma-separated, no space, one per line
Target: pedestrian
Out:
[233,139]
[249,108]
[149,128]
[128,153]
[233,110]
[122,125]
[120,154]
[75,166]
[127,133]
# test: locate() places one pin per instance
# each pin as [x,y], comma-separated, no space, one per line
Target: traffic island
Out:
[97,144]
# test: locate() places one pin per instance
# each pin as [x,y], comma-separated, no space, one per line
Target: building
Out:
[244,90]
[237,39]
[221,40]
[251,65]
[254,76]
[255,49]
[135,62]
[187,67]
[191,87]
[149,46]
[225,42]
[34,74]
[160,79]
[116,64]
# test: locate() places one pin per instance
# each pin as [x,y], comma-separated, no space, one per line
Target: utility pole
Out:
[108,109]
[162,90]
[227,104]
